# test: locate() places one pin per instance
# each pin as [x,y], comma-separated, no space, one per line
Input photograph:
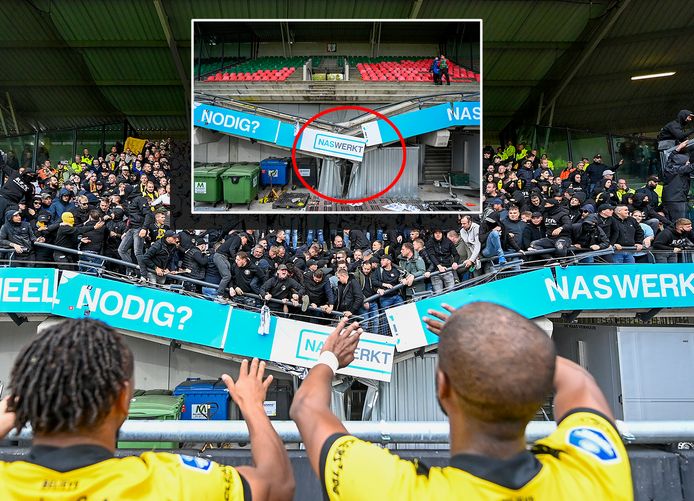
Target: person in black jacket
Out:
[283,288]
[91,236]
[676,176]
[673,133]
[157,257]
[670,242]
[649,189]
[19,235]
[388,276]
[369,287]
[630,235]
[558,227]
[642,202]
[534,229]
[357,239]
[117,227]
[225,255]
[139,214]
[17,188]
[195,261]
[66,237]
[443,256]
[587,235]
[319,291]
[246,278]
[349,297]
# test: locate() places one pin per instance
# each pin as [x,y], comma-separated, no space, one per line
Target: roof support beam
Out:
[166,27]
[585,55]
[414,11]
[89,44]
[510,45]
[97,83]
[12,113]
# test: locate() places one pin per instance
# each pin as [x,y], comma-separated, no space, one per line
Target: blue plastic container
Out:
[204,399]
[274,171]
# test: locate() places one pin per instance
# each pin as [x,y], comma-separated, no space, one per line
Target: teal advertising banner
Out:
[27,290]
[234,330]
[538,293]
[143,309]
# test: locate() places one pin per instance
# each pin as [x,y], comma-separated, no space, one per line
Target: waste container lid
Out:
[200,385]
[210,170]
[154,406]
[241,170]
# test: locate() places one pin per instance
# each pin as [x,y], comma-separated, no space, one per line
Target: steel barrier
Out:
[433,432]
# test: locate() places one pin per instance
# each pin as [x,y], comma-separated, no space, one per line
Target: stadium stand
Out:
[273,69]
[406,69]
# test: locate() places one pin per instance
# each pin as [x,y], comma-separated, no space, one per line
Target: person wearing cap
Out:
[283,288]
[45,229]
[558,228]
[651,188]
[158,256]
[596,170]
[629,234]
[195,261]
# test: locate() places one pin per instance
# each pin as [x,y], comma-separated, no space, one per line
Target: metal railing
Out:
[179,278]
[384,432]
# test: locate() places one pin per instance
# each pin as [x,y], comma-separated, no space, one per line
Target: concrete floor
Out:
[469,200]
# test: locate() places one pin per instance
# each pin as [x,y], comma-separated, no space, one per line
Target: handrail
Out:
[431,432]
[180,278]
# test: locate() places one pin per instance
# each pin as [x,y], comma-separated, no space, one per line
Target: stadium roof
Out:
[70,63]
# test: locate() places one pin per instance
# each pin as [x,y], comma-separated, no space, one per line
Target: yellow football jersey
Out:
[584,459]
[153,475]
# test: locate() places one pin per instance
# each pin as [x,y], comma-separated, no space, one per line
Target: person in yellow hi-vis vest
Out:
[74,384]
[495,370]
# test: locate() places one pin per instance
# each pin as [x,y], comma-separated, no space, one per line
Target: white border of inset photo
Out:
[354,212]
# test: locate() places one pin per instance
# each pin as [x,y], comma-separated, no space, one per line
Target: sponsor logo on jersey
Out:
[595,443]
[196,463]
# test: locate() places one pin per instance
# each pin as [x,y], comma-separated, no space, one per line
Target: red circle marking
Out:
[347,200]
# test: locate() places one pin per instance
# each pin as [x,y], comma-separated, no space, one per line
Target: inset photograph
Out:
[334,116]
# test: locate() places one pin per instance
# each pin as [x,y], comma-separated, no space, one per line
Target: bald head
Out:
[499,363]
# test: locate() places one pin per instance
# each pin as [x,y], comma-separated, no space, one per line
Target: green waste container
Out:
[240,183]
[153,406]
[207,185]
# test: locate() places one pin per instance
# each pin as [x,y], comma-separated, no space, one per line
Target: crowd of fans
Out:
[116,205]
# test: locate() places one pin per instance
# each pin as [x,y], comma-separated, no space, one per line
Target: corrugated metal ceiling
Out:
[102,58]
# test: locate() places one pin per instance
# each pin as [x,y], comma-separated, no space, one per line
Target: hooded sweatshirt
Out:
[674,131]
[557,216]
[16,233]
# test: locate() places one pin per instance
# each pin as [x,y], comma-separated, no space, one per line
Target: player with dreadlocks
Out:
[73,385]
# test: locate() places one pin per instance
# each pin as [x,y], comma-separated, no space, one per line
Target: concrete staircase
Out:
[437,164]
[353,91]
